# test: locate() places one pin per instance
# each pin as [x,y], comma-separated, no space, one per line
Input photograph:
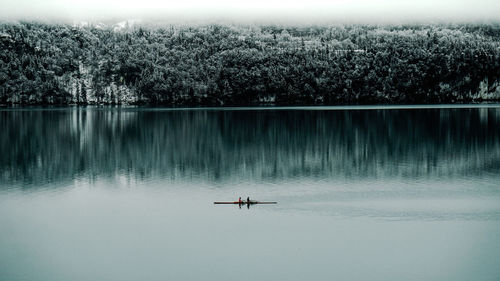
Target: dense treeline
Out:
[245,65]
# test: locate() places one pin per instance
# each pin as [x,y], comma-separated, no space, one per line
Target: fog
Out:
[257,10]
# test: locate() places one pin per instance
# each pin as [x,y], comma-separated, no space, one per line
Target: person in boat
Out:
[240,201]
[248,200]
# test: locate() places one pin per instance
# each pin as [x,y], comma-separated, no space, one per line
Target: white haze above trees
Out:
[257,10]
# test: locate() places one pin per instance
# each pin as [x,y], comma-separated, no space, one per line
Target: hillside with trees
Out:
[222,65]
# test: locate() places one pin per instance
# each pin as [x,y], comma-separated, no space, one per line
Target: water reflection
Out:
[247,145]
[357,190]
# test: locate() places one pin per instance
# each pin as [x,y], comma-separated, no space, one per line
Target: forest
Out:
[241,65]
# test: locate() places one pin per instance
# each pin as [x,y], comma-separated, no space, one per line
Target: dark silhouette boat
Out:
[247,202]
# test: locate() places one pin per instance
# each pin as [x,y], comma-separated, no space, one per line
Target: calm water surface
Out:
[365,193]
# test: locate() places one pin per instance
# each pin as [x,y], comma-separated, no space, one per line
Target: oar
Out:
[244,202]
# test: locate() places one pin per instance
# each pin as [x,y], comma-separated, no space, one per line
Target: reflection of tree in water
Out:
[250,145]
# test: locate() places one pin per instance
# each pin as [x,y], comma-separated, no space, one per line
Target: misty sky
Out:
[288,10]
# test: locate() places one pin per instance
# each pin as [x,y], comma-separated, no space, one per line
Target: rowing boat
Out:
[246,202]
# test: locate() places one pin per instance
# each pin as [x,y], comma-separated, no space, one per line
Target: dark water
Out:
[364,193]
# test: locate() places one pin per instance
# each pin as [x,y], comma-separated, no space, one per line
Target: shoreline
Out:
[495,104]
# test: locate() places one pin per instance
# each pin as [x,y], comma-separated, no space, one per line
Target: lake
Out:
[364,193]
